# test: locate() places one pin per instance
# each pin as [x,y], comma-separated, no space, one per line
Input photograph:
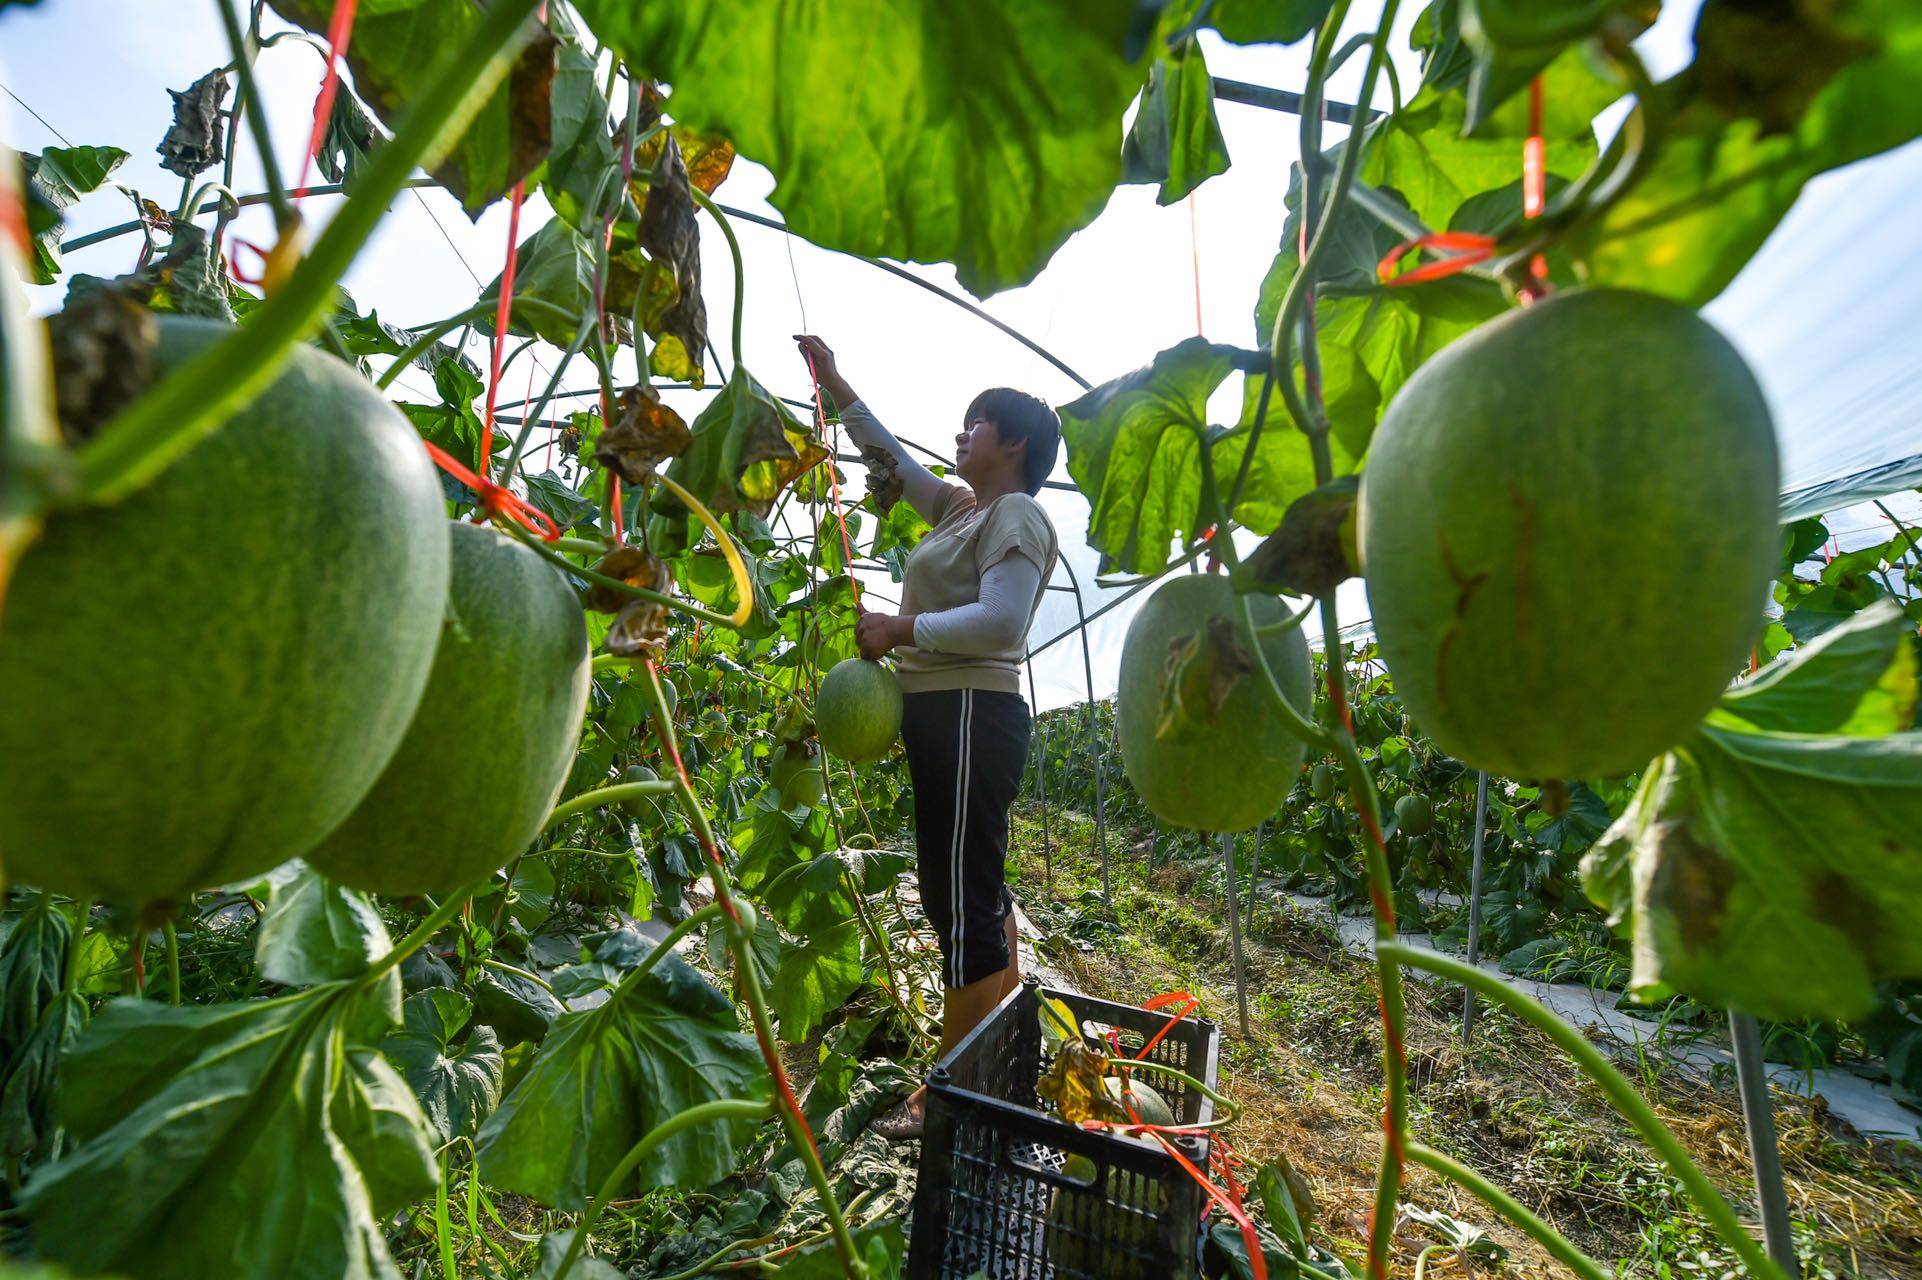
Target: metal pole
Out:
[1094,750]
[1475,904]
[1234,931]
[1041,779]
[1758,1117]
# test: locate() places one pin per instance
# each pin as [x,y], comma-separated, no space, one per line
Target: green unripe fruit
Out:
[1084,1237]
[493,740]
[641,808]
[1414,816]
[203,679]
[1321,782]
[1568,527]
[1211,752]
[857,713]
[1148,1104]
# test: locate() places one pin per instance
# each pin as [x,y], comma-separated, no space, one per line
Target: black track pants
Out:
[966,750]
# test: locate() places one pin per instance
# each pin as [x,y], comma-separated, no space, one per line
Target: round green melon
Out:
[1221,768]
[1414,815]
[1568,527]
[641,808]
[857,712]
[1088,1239]
[202,680]
[1321,782]
[495,735]
[1148,1104]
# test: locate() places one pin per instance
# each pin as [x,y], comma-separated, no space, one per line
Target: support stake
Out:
[1758,1118]
[1475,904]
[1234,931]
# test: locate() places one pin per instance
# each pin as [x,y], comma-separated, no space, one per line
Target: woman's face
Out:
[979,451]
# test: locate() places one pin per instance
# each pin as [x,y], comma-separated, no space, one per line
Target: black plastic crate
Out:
[992,1197]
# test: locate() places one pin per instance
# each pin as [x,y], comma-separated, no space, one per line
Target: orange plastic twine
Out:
[503,316]
[495,499]
[1194,258]
[1463,249]
[834,488]
[340,27]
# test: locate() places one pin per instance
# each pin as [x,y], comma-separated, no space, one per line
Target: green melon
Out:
[642,808]
[795,770]
[857,713]
[496,733]
[1148,1104]
[204,679]
[1088,1239]
[1568,527]
[1220,769]
[1321,782]
[1414,815]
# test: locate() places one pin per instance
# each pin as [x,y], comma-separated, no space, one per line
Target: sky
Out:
[1834,338]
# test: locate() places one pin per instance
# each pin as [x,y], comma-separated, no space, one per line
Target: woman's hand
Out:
[877,633]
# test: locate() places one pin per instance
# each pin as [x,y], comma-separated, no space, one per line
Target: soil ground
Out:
[1308,1075]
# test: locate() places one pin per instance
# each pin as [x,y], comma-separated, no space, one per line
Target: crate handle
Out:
[1055,1177]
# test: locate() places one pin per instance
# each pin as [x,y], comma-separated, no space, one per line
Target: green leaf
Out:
[981,134]
[1776,873]
[1857,679]
[29,1079]
[817,894]
[350,140]
[1266,21]
[315,930]
[397,48]
[605,1077]
[1134,447]
[518,1009]
[1175,139]
[747,448]
[549,492]
[458,1087]
[555,265]
[1420,154]
[583,144]
[554,1246]
[33,958]
[56,179]
[262,1145]
[1724,179]
[814,977]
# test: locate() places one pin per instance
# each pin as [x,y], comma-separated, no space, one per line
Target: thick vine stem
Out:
[734,249]
[1509,1207]
[422,933]
[1633,1107]
[200,394]
[749,978]
[1292,718]
[605,796]
[720,1109]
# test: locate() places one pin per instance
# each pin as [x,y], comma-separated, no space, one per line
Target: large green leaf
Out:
[1858,678]
[1730,166]
[394,53]
[981,134]
[458,1085]
[315,930]
[1266,21]
[603,1078]
[1421,155]
[56,180]
[1134,446]
[1776,873]
[747,448]
[243,1140]
[1175,139]
[816,974]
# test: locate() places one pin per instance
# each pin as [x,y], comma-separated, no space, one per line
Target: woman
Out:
[968,597]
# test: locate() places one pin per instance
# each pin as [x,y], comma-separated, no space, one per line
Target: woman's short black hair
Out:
[1016,415]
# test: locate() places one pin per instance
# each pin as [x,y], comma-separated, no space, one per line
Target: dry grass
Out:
[1309,1077]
